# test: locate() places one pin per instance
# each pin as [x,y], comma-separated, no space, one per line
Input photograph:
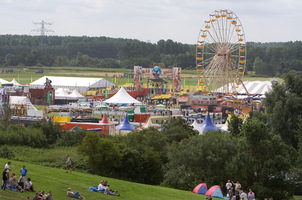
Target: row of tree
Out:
[267,59]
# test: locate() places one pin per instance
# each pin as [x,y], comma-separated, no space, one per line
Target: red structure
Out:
[39,96]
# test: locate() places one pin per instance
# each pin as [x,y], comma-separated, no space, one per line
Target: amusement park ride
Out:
[221,52]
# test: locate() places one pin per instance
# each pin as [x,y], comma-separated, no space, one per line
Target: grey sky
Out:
[179,20]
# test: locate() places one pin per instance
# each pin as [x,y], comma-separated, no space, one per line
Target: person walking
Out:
[68,164]
[7,167]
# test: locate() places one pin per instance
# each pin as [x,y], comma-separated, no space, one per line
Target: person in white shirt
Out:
[228,186]
[7,167]
[243,195]
[101,186]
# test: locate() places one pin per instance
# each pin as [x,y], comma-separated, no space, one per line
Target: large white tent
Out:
[14,82]
[21,100]
[2,81]
[76,95]
[122,96]
[72,83]
[253,87]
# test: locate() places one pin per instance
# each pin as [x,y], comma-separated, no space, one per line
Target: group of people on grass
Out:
[238,193]
[24,184]
[11,182]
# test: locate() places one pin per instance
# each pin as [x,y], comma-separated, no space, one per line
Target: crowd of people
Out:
[23,184]
[238,193]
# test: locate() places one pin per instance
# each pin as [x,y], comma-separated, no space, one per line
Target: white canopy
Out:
[21,100]
[61,94]
[122,96]
[14,82]
[76,95]
[253,87]
[2,81]
[198,127]
[79,83]
[148,123]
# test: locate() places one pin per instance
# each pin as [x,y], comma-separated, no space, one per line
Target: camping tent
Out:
[201,189]
[122,96]
[215,191]
[125,125]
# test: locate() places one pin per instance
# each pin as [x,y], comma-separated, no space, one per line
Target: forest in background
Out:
[264,59]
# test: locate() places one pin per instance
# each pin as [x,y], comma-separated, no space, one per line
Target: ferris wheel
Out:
[221,52]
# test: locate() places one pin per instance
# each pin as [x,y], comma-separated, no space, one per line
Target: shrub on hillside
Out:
[5,152]
[71,138]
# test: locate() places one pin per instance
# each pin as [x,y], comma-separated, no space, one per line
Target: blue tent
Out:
[125,125]
[209,126]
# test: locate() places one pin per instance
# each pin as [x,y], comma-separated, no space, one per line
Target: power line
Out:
[42,30]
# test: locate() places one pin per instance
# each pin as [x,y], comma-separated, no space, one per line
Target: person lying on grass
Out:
[76,195]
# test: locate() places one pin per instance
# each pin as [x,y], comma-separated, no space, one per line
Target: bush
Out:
[5,152]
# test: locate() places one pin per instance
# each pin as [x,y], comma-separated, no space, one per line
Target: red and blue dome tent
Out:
[215,191]
[201,189]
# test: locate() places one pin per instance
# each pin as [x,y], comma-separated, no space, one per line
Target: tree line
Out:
[265,59]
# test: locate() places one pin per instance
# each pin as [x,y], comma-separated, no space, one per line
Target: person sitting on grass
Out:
[29,185]
[76,195]
[21,185]
[38,196]
[49,196]
[13,182]
[108,190]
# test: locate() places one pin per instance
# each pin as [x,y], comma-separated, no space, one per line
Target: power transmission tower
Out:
[42,30]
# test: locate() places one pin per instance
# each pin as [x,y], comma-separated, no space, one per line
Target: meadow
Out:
[57,180]
[28,75]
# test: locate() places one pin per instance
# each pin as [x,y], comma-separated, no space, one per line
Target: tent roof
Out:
[23,100]
[61,81]
[61,94]
[253,87]
[201,188]
[76,94]
[209,126]
[125,125]
[122,96]
[105,120]
[2,81]
[215,191]
[14,82]
[148,123]
[198,127]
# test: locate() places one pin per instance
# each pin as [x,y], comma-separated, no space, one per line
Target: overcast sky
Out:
[151,20]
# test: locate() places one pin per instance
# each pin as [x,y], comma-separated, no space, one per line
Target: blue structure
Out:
[125,125]
[209,126]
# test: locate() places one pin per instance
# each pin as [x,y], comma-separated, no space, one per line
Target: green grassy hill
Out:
[57,180]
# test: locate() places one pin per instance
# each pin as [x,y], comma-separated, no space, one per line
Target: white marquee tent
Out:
[122,96]
[72,83]
[253,87]
[2,81]
[14,82]
[76,95]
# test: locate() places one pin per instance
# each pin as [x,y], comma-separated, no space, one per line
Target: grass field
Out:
[27,75]
[57,180]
